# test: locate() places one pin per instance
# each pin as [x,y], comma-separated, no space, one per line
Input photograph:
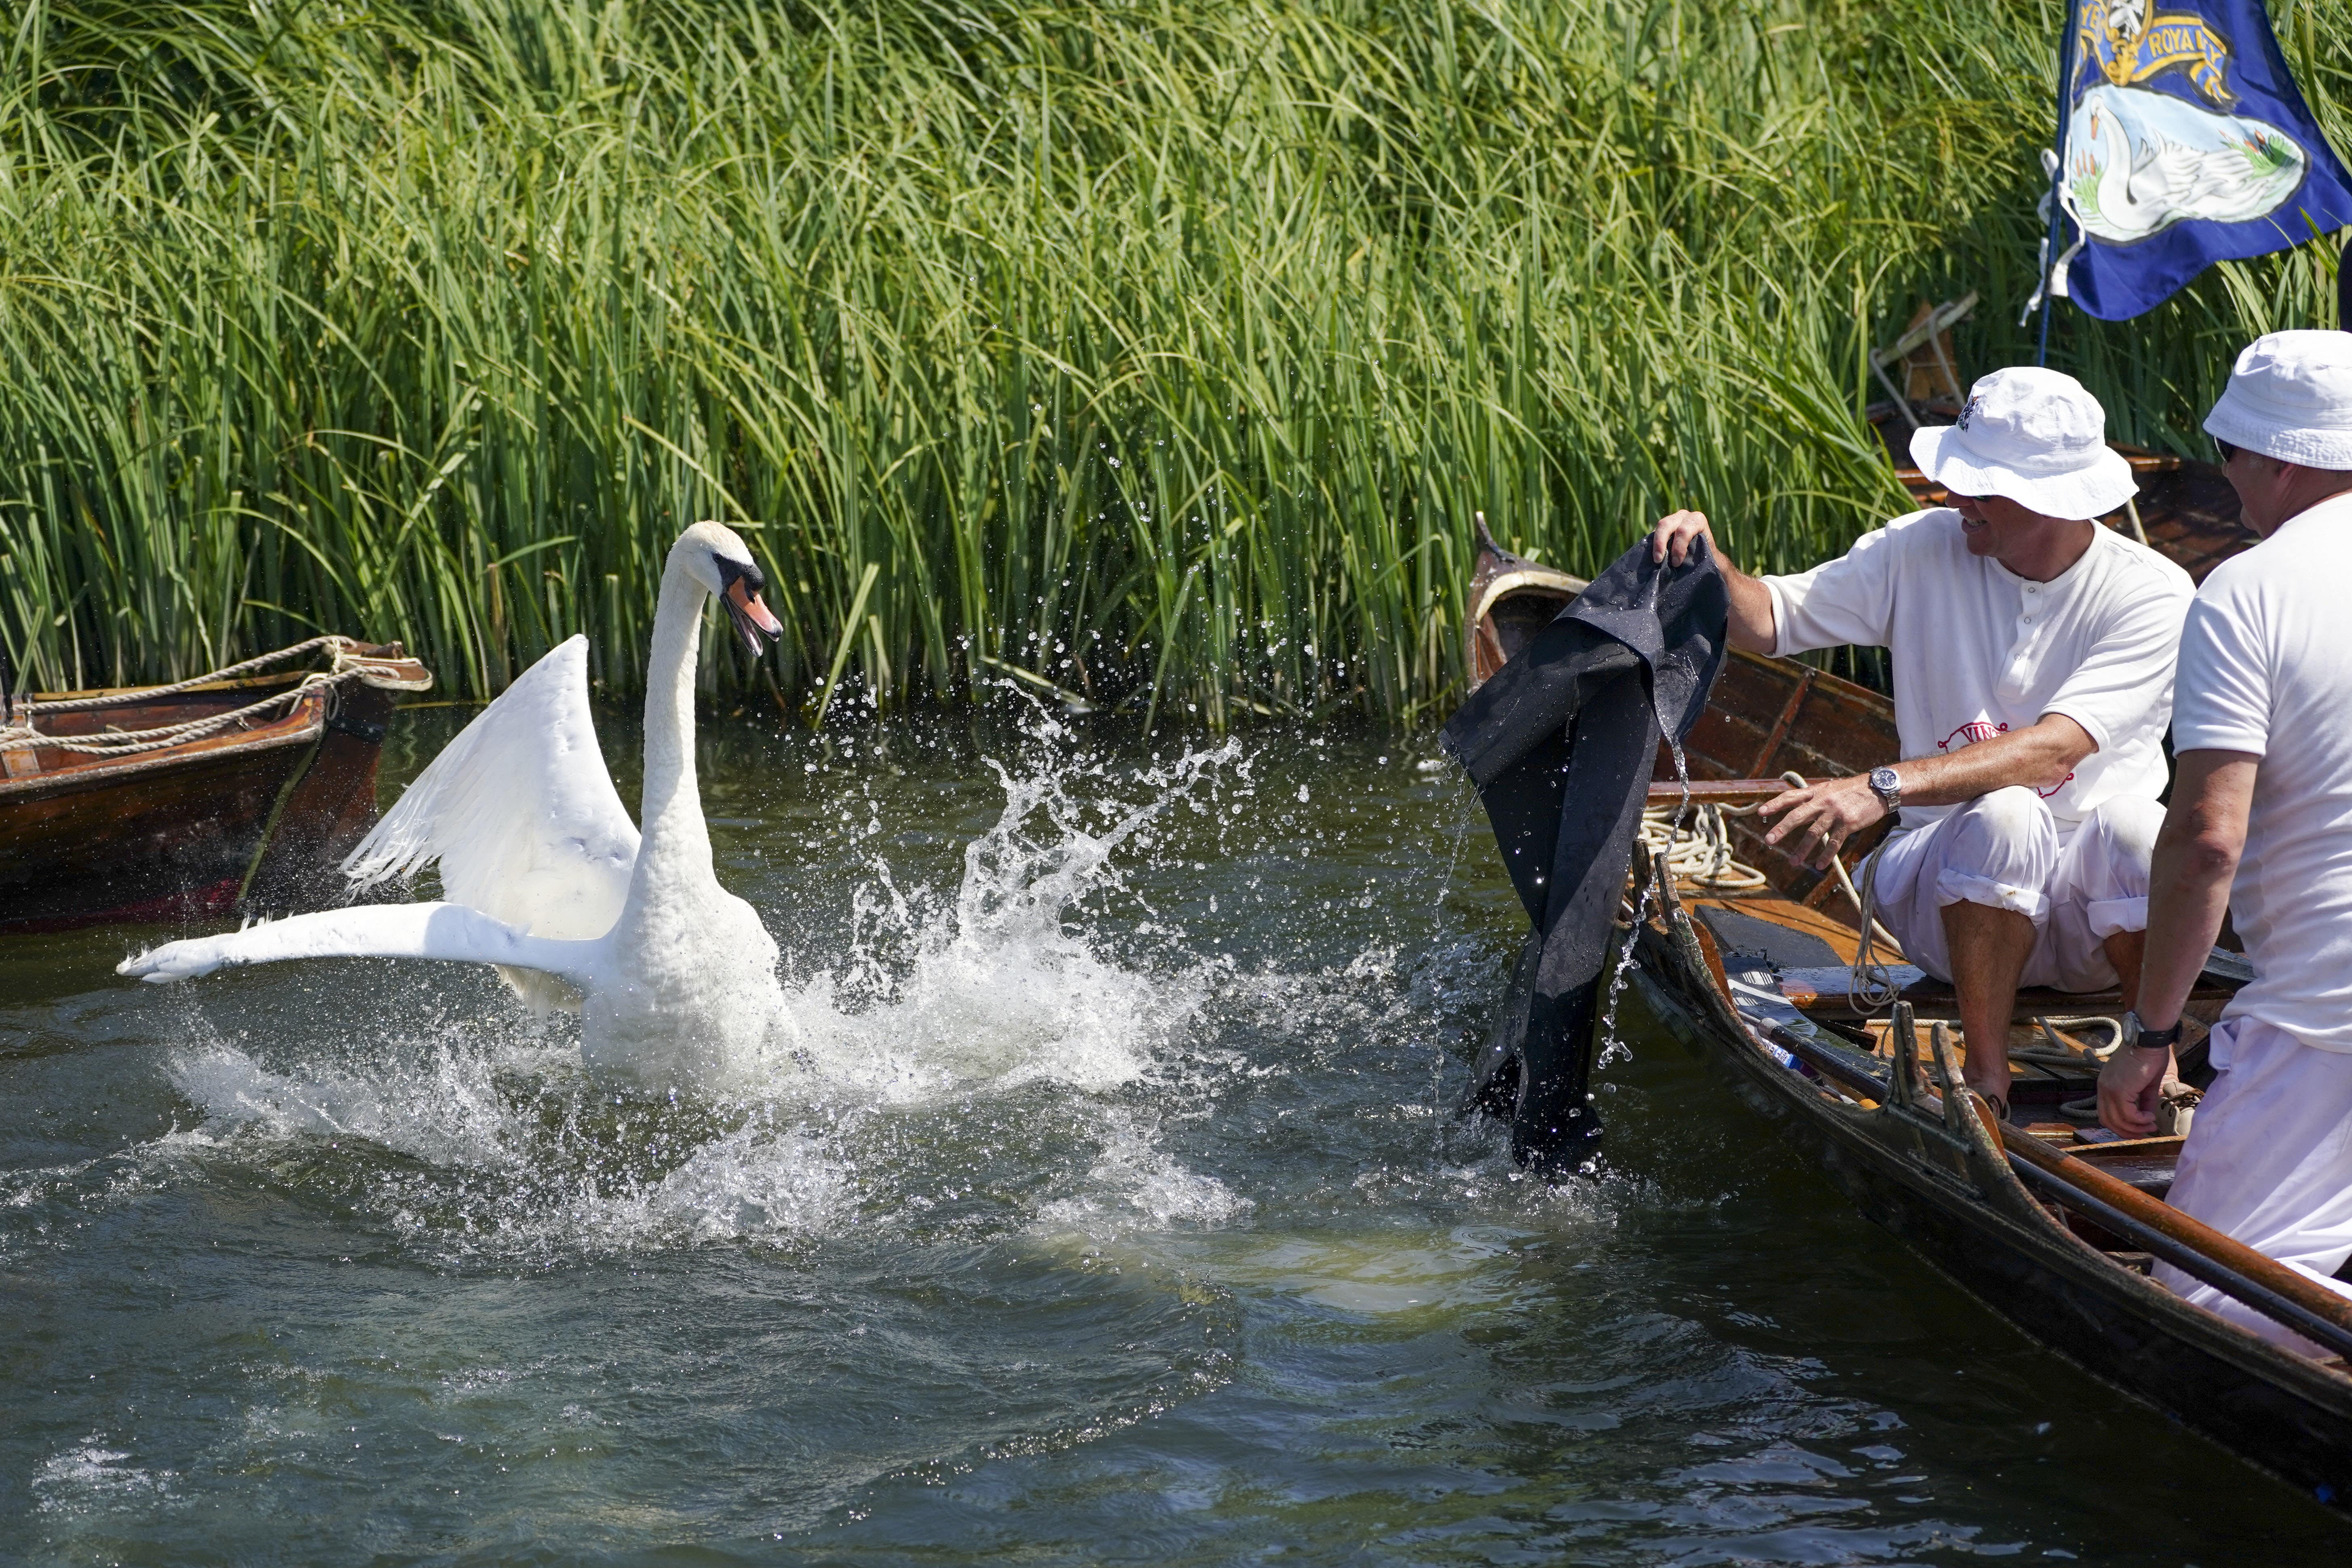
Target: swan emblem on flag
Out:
[2141,161]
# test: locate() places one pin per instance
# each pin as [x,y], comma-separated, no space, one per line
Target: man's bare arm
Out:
[1751,602]
[2188,893]
[2039,756]
[1816,821]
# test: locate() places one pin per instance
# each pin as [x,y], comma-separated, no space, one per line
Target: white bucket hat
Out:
[2035,436]
[2290,397]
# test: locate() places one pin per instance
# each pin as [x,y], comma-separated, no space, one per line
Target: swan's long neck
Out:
[675,835]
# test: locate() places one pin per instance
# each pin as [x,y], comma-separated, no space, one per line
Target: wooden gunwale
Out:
[2016,1224]
[301,726]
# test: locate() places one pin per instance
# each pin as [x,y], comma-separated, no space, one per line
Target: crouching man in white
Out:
[2033,652]
[2260,822]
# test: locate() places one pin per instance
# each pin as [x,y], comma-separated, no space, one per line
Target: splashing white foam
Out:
[1133,1179]
[439,1105]
[90,1474]
[1007,985]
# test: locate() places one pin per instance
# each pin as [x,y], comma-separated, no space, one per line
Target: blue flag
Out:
[2184,142]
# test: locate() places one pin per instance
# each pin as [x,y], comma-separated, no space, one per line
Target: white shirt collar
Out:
[2066,580]
[2339,507]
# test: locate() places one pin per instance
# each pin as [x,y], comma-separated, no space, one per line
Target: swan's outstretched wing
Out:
[519,812]
[384,931]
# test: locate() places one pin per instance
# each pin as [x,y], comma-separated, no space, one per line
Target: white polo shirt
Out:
[1979,651]
[2266,668]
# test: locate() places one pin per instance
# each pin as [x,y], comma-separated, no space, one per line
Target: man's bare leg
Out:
[2125,951]
[1988,948]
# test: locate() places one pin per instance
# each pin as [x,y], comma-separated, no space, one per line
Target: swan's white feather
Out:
[520,814]
[447,931]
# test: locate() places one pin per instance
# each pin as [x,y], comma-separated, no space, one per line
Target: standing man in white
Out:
[2033,652]
[2261,822]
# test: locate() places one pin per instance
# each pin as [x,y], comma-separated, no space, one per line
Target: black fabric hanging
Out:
[1561,742]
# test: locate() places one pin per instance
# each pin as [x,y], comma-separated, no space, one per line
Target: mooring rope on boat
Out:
[131,742]
[348,662]
[133,694]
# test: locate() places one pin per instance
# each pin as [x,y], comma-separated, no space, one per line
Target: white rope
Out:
[135,694]
[348,662]
[131,742]
[1703,856]
[1868,986]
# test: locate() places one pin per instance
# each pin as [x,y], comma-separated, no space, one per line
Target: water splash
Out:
[1008,981]
[1612,1048]
[1012,1012]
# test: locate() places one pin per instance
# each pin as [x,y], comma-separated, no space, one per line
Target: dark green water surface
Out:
[1111,1210]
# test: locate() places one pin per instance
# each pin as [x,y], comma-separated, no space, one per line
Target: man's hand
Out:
[2129,1087]
[1751,602]
[1670,541]
[1817,820]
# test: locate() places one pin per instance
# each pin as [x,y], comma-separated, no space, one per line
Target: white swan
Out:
[544,875]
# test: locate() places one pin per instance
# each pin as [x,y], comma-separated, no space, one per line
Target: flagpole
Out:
[2057,174]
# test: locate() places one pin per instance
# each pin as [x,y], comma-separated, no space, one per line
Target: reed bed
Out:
[1155,351]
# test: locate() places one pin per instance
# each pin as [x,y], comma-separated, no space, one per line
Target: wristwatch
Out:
[2147,1039]
[1887,786]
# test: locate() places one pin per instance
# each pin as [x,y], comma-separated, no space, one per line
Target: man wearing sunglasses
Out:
[2033,652]
[2261,825]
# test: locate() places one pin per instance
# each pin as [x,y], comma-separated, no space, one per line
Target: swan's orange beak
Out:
[750,617]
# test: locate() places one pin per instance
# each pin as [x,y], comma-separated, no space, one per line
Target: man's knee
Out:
[2015,814]
[2125,828]
[2108,868]
[2003,847]
[2006,834]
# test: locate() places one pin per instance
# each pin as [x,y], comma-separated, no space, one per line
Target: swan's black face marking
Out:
[739,585]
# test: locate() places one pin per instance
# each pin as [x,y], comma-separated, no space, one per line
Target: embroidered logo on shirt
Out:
[1975,730]
[2053,789]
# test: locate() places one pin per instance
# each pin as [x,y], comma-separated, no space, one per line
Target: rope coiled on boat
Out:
[1701,855]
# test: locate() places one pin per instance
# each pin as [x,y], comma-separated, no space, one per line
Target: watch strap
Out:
[2147,1039]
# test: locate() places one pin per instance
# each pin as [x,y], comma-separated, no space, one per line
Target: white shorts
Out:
[2268,1163]
[2003,850]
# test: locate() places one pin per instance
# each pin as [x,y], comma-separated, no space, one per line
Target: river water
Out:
[1113,1210]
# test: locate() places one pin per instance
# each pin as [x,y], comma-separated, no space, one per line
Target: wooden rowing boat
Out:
[234,790]
[2054,1232]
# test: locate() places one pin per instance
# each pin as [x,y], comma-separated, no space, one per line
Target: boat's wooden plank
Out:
[2273,1283]
[1934,999]
[90,844]
[1716,792]
[325,812]
[63,772]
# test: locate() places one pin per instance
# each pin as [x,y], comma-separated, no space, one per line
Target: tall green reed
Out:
[1157,352]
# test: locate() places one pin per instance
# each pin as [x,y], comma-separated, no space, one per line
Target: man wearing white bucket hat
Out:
[2261,824]
[2033,652]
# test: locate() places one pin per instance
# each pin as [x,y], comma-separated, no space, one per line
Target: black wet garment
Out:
[1561,742]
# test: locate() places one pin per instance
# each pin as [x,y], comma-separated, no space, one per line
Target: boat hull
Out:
[253,820]
[2284,1412]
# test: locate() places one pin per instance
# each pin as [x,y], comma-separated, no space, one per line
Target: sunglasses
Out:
[2226,451]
